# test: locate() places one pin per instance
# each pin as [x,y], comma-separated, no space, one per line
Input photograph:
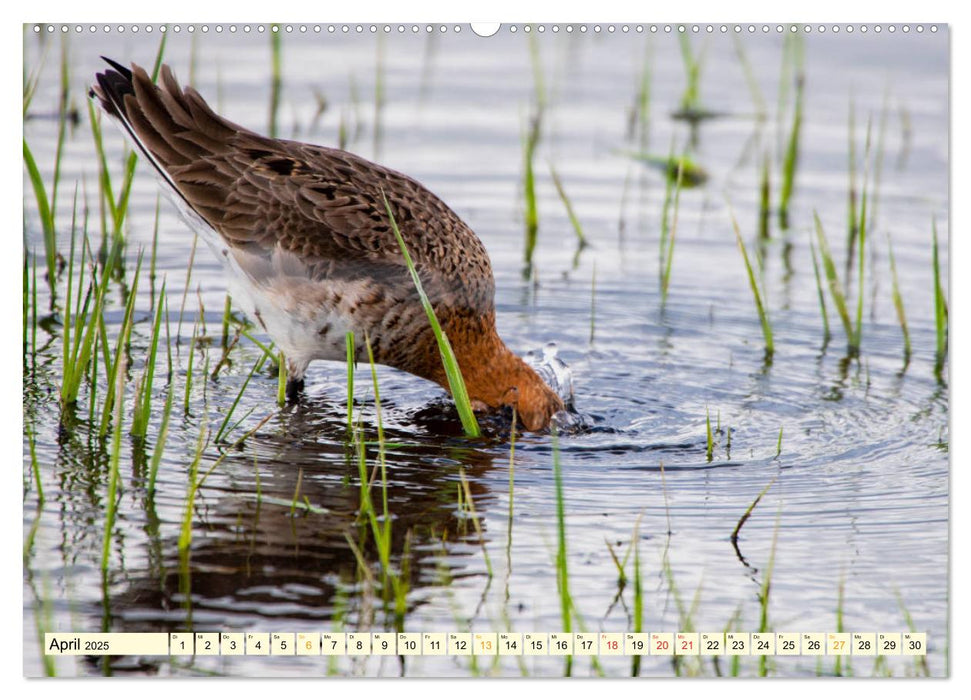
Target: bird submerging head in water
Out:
[306,237]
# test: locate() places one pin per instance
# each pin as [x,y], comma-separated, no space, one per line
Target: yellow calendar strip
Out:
[487,644]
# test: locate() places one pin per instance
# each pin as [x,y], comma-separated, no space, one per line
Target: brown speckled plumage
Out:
[305,231]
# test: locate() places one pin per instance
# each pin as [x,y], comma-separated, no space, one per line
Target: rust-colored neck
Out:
[496,377]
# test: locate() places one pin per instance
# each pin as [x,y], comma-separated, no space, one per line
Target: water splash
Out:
[559,377]
[554,371]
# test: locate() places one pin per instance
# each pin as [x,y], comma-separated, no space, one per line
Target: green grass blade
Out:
[157,65]
[62,111]
[759,305]
[349,344]
[185,533]
[692,71]
[665,220]
[452,371]
[163,433]
[26,293]
[835,289]
[791,158]
[281,380]
[668,251]
[82,352]
[940,307]
[536,62]
[562,571]
[593,302]
[31,81]
[852,218]
[638,613]
[898,301]
[46,216]
[381,446]
[577,228]
[530,142]
[276,72]
[750,80]
[143,400]
[474,517]
[858,329]
[66,333]
[765,204]
[819,290]
[111,500]
[766,591]
[229,414]
[642,102]
[121,344]
[188,371]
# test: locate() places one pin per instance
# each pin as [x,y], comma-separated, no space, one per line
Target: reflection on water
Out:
[677,421]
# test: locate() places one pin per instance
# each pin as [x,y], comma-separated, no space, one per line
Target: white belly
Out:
[305,318]
[297,316]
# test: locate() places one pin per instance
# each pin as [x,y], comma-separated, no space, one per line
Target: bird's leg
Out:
[295,381]
[294,389]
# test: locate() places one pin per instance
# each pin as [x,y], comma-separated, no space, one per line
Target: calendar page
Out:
[423,349]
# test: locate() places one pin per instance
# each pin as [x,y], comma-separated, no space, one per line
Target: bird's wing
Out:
[322,204]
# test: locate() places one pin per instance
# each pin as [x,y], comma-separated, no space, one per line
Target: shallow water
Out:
[858,504]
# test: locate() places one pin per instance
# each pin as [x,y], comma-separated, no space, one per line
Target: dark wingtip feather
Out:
[125,72]
[112,87]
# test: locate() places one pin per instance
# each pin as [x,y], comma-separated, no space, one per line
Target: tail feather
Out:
[116,93]
[172,127]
